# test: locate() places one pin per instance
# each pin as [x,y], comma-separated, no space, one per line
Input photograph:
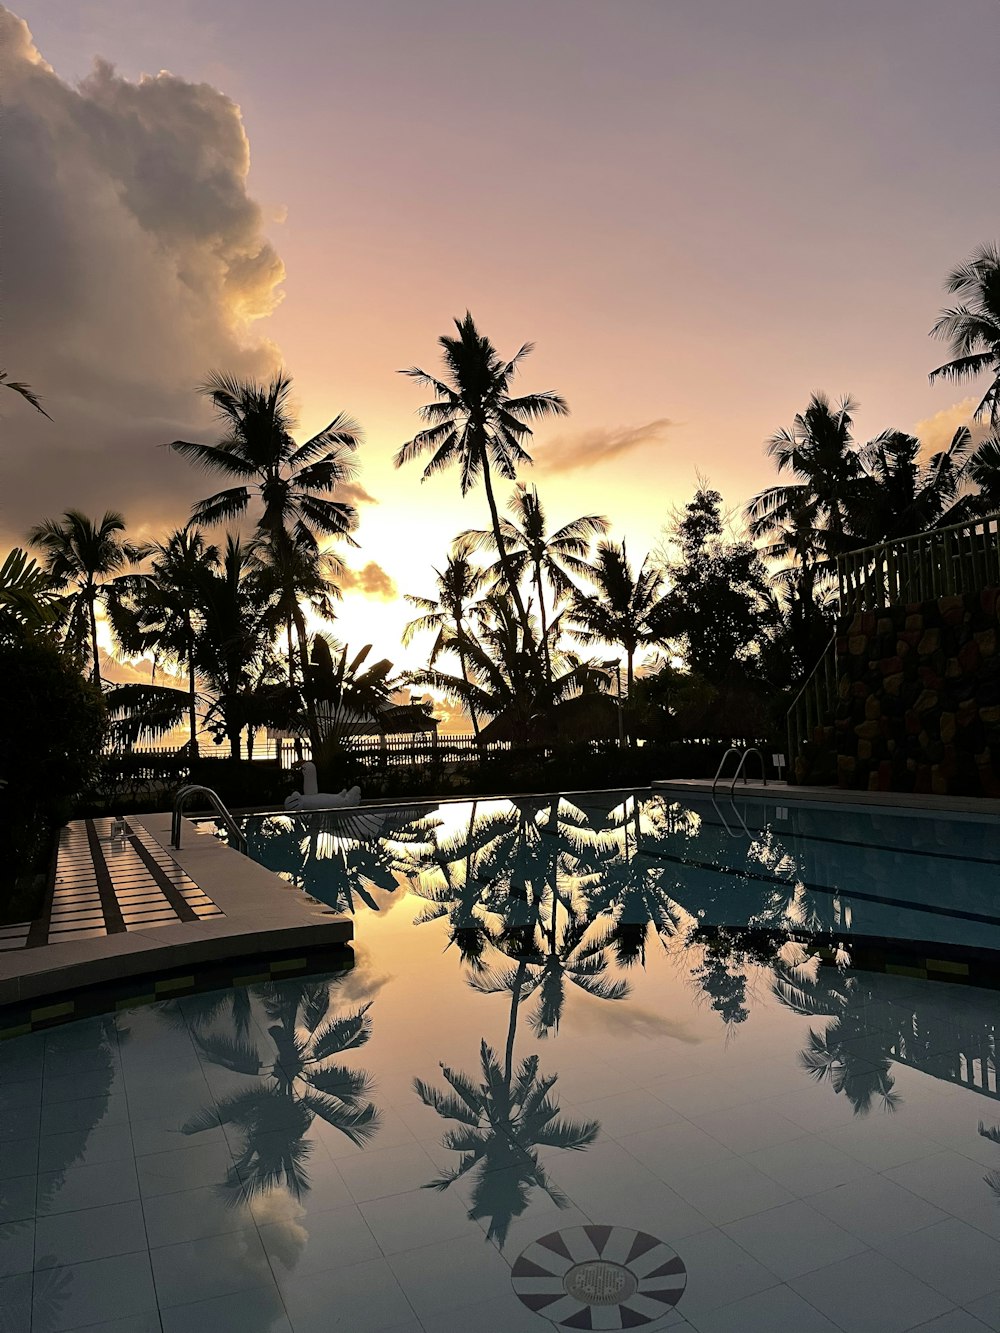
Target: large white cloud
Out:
[134,261]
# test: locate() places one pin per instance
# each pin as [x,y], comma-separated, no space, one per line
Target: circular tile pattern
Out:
[630,1277]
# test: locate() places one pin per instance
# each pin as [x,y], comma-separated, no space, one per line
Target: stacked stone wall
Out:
[918,705]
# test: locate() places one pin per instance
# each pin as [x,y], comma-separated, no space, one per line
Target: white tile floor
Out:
[150,1182]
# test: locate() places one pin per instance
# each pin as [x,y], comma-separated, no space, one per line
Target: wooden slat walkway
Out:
[102,887]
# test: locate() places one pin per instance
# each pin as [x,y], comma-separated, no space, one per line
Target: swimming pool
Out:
[553,1092]
[846,875]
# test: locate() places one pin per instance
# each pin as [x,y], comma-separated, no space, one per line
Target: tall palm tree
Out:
[475,423]
[27,596]
[626,608]
[25,390]
[85,557]
[158,610]
[237,618]
[543,556]
[292,483]
[972,328]
[458,586]
[819,450]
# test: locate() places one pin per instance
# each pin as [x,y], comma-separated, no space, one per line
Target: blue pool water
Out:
[558,1089]
[642,858]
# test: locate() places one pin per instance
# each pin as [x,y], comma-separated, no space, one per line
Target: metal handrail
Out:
[744,757]
[214,800]
[722,763]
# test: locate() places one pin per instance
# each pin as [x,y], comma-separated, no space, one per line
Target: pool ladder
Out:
[217,804]
[744,756]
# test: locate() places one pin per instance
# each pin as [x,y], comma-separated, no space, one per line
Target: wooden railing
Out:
[921,568]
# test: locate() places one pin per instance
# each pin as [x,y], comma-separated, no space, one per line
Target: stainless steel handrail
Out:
[214,800]
[745,756]
[722,763]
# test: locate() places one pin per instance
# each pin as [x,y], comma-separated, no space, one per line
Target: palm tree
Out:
[820,452]
[84,556]
[531,550]
[158,611]
[237,618]
[972,328]
[476,424]
[27,597]
[626,609]
[292,482]
[296,1081]
[25,390]
[458,586]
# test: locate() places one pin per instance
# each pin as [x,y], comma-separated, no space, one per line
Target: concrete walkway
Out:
[148,908]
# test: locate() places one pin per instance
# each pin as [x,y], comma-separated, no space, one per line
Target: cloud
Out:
[134,262]
[935,433]
[600,445]
[371,580]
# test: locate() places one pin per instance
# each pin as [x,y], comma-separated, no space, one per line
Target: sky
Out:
[700,211]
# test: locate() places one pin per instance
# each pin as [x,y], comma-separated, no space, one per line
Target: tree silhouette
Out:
[972,327]
[475,424]
[298,1079]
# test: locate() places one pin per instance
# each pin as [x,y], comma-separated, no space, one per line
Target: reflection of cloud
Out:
[372,580]
[600,445]
[361,983]
[285,1215]
[135,262]
[636,1020]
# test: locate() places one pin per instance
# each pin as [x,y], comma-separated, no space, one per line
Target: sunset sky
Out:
[699,210]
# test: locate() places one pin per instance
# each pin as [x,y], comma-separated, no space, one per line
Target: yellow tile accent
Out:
[288,965]
[252,980]
[173,983]
[135,1001]
[944,965]
[52,1011]
[899,971]
[21,1031]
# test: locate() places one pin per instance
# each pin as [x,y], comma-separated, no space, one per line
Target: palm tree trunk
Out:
[91,594]
[192,694]
[465,677]
[312,722]
[291,658]
[545,623]
[515,592]
[515,992]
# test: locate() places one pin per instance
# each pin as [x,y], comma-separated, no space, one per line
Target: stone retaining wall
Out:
[919,699]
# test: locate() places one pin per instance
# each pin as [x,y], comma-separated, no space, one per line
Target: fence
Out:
[921,568]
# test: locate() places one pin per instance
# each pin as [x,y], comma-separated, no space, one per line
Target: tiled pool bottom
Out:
[806,1143]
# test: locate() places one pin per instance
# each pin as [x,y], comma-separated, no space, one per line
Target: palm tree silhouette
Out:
[298,1080]
[458,586]
[84,556]
[159,610]
[292,482]
[972,328]
[533,551]
[25,390]
[625,610]
[476,424]
[849,1054]
[504,1116]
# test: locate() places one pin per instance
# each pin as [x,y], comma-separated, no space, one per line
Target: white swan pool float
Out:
[311,799]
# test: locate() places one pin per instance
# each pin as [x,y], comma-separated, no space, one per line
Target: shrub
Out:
[52,724]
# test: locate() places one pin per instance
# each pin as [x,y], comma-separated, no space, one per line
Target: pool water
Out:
[558,1089]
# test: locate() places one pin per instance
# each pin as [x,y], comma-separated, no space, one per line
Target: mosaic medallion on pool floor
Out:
[599,1277]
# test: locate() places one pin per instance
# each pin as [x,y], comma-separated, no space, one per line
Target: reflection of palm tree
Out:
[992,1178]
[849,1055]
[297,1081]
[503,1121]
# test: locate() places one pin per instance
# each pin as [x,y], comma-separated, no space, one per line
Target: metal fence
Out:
[921,568]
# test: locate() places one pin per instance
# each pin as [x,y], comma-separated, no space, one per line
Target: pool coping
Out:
[985,807]
[262,914]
